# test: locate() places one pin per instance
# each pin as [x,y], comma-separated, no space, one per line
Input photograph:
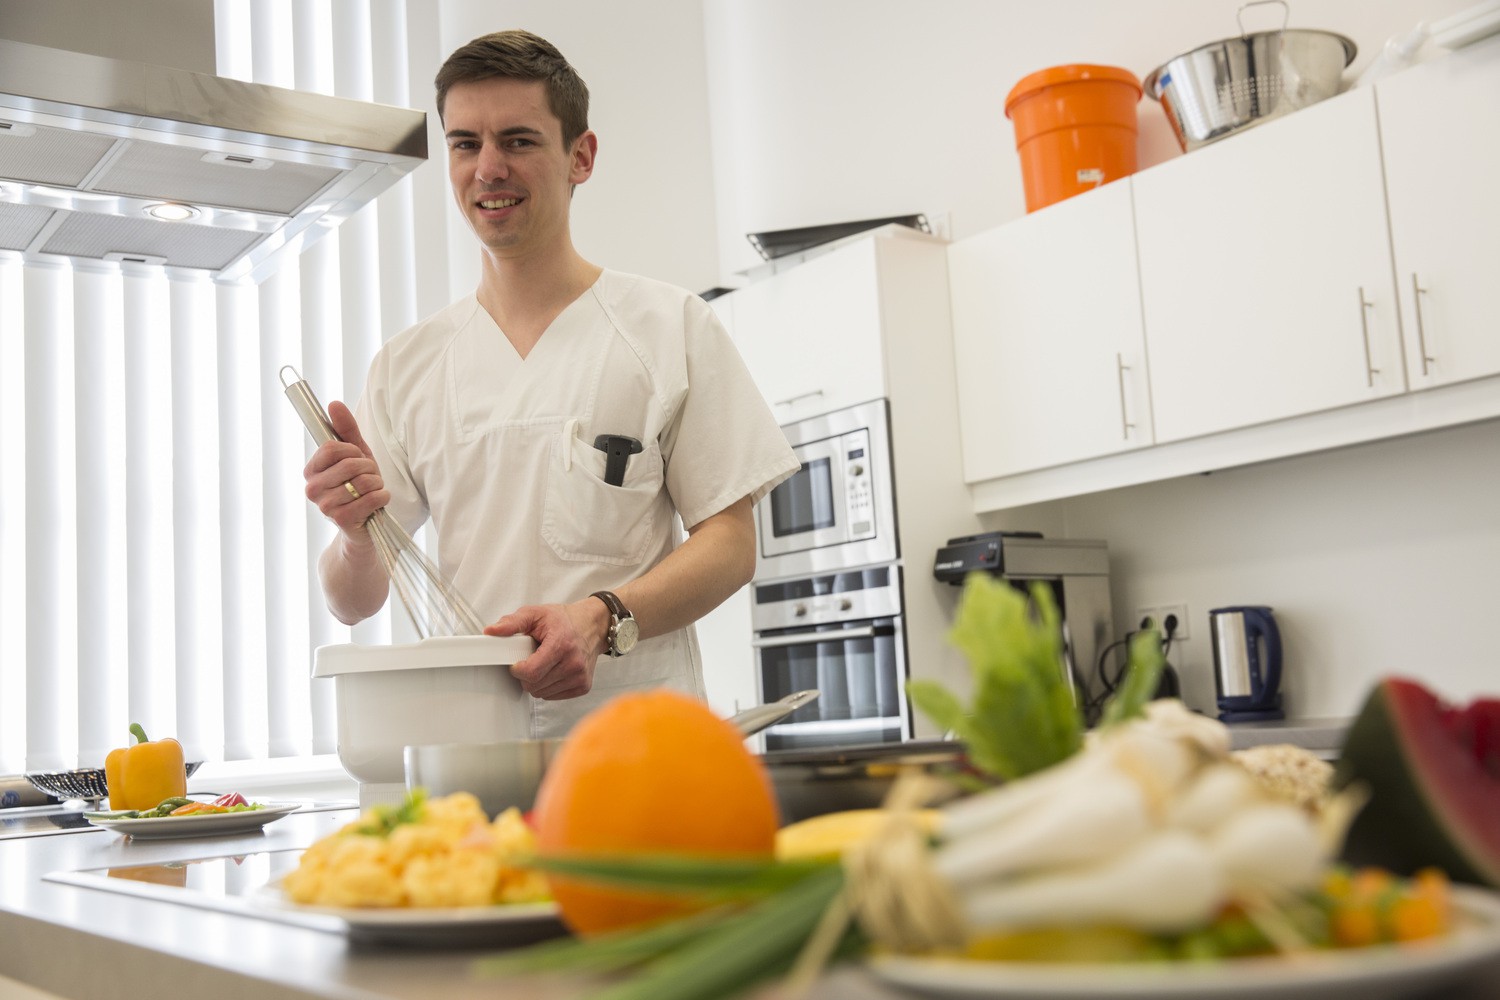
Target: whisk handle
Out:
[307,406]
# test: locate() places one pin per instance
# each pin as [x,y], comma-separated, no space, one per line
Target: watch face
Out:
[627,633]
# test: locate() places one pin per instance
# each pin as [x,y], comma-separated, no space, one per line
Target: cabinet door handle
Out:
[1416,300]
[1120,369]
[801,395]
[1364,330]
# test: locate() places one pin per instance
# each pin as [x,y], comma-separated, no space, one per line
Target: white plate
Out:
[199,825]
[1378,973]
[503,923]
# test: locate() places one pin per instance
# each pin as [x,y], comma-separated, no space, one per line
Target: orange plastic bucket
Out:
[1075,129]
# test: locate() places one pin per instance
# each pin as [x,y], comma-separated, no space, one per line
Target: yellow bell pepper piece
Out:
[142,776]
[828,836]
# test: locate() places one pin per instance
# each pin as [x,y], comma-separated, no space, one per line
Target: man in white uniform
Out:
[555,424]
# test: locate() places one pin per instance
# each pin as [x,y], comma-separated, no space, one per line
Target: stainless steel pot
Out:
[508,773]
[1224,87]
[813,782]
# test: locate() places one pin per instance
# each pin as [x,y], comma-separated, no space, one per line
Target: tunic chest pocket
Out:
[585,518]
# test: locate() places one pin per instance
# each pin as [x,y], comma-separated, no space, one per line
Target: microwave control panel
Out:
[859,493]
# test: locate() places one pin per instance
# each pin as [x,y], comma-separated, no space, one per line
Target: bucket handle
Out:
[1286,13]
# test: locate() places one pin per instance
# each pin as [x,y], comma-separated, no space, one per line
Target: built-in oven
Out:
[842,634]
[839,509]
[827,607]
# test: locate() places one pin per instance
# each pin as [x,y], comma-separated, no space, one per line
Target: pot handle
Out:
[753,720]
[1286,13]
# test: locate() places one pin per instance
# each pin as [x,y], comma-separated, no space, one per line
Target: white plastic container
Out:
[447,689]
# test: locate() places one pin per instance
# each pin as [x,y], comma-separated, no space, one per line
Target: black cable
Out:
[1094,706]
[1108,684]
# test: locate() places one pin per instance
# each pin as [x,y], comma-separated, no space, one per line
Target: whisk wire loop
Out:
[433,604]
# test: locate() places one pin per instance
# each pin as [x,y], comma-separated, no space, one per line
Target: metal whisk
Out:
[431,602]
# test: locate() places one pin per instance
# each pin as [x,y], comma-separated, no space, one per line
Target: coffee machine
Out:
[1076,571]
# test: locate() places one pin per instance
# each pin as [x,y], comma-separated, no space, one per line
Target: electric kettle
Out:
[1247,663]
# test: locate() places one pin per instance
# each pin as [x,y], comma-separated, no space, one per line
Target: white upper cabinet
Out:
[811,335]
[1440,131]
[1266,273]
[1047,338]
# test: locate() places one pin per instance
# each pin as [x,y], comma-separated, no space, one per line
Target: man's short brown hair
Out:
[520,55]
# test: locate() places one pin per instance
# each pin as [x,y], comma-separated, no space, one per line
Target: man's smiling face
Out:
[511,173]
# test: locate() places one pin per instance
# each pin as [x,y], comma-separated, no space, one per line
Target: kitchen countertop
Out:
[87,943]
[1323,736]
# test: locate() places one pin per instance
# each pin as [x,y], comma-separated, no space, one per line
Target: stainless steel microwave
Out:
[838,510]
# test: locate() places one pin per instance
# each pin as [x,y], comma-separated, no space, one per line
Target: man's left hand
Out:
[568,644]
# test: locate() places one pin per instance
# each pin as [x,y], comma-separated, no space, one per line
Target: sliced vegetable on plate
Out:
[166,820]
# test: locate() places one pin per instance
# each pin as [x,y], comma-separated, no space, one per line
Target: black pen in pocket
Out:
[617,450]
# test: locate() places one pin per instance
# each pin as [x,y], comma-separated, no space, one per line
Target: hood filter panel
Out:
[176,173]
[41,154]
[175,244]
[20,224]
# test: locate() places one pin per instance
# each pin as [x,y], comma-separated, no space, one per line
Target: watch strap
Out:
[612,603]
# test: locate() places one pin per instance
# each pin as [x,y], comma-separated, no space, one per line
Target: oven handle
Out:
[807,638]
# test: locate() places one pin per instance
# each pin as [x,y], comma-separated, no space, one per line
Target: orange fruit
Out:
[649,772]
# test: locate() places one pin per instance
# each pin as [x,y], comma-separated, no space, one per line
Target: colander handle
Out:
[1286,13]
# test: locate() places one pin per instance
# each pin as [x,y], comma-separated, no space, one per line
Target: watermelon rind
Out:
[1431,804]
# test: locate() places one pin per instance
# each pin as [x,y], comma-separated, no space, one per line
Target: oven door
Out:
[859,670]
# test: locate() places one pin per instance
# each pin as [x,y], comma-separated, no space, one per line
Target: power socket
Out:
[1158,613]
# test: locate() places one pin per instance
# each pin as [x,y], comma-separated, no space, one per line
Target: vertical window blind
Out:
[157,553]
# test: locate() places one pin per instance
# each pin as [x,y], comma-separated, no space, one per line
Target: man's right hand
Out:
[337,463]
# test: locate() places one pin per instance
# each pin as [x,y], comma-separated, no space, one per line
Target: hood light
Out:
[169,211]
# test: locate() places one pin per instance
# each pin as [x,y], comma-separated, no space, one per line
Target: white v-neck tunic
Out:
[498,451]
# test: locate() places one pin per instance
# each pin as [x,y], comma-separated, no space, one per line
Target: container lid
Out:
[1071,73]
[438,651]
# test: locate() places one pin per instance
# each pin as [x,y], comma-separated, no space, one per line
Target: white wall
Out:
[1378,559]
[648,209]
[837,110]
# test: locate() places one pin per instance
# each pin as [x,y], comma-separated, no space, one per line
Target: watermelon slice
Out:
[1433,774]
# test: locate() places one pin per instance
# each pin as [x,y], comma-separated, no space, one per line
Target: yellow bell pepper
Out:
[142,776]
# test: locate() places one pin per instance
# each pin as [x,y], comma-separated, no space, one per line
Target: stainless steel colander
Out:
[81,783]
[1221,88]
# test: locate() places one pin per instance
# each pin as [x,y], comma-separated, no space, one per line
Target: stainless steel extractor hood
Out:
[107,160]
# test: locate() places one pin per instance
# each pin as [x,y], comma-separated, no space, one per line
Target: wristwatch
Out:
[623,632]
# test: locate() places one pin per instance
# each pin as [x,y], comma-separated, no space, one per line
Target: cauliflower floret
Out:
[513,842]
[458,878]
[360,874]
[410,841]
[454,814]
[449,855]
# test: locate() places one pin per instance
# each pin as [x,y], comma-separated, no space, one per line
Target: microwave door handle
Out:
[809,638]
